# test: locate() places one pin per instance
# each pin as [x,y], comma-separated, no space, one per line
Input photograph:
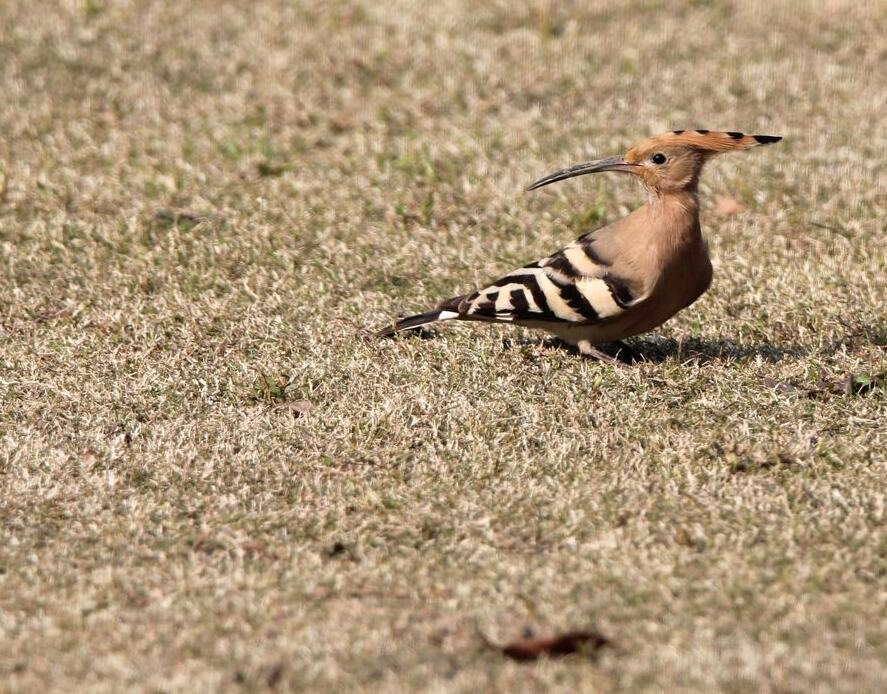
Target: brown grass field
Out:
[210,480]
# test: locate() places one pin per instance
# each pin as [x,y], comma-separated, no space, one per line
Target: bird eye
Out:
[658,158]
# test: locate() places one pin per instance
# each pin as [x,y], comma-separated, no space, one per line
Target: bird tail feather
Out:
[417,321]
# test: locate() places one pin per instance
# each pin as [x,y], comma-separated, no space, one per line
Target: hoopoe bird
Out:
[622,279]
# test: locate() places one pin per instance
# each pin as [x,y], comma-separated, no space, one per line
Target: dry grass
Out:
[202,204]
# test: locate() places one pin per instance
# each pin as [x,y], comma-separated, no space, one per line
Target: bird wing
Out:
[575,285]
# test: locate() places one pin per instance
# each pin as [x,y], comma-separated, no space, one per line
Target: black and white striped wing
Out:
[572,286]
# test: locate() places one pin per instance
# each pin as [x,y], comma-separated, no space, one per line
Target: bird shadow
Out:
[656,350]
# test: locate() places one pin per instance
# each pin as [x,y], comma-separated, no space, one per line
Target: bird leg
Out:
[586,349]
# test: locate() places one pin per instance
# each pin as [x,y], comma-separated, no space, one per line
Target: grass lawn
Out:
[210,479]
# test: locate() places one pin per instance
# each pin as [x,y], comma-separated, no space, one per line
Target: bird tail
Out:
[417,321]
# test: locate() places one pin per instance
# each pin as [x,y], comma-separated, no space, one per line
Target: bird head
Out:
[667,163]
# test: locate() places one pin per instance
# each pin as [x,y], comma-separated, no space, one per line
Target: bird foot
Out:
[586,349]
[623,355]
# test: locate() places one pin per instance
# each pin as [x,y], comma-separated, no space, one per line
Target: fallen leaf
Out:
[851,384]
[273,673]
[569,643]
[823,387]
[298,408]
[271,168]
[253,547]
[168,218]
[341,123]
[782,386]
[727,207]
[207,545]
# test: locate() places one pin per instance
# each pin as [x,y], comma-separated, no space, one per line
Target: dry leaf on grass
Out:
[783,387]
[851,384]
[727,207]
[172,217]
[572,642]
[253,547]
[297,408]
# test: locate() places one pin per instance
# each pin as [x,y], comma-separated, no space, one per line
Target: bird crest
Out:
[706,141]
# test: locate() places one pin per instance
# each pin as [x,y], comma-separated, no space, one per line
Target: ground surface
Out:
[209,481]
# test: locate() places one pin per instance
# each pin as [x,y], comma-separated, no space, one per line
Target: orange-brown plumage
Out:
[711,141]
[622,279]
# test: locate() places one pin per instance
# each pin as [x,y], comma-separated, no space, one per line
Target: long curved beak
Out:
[589,167]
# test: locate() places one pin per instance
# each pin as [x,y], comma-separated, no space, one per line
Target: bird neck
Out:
[685,200]
[674,219]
